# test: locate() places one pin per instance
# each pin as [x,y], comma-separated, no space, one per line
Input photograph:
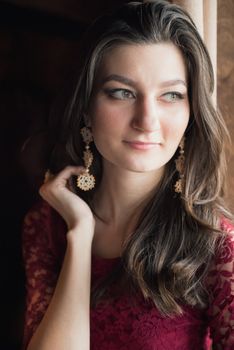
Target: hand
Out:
[69,205]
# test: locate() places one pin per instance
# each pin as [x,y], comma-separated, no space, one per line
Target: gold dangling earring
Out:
[179,185]
[86,181]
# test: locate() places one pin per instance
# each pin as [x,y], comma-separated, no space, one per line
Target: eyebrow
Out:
[130,82]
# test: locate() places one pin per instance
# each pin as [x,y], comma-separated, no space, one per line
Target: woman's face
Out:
[140,109]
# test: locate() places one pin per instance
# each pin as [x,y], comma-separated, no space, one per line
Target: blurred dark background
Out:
[38,51]
[39,48]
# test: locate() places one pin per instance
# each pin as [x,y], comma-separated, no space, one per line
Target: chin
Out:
[144,168]
[136,165]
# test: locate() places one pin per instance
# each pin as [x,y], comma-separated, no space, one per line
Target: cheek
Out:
[103,125]
[105,135]
[106,120]
[97,118]
[174,129]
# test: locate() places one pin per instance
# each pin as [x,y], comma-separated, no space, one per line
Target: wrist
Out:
[81,234]
[87,223]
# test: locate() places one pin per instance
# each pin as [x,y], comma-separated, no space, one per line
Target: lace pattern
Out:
[41,266]
[127,324]
[221,287]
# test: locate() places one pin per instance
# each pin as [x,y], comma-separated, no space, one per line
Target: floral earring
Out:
[86,181]
[179,162]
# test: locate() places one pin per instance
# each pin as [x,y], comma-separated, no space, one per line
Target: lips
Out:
[142,145]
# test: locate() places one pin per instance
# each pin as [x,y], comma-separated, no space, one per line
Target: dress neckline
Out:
[101,258]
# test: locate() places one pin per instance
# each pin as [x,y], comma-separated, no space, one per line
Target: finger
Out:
[69,171]
[62,178]
[48,176]
[55,183]
[70,185]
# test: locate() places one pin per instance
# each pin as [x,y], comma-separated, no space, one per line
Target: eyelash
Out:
[111,92]
[178,95]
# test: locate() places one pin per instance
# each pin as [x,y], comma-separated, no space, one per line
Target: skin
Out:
[148,104]
[152,96]
[131,174]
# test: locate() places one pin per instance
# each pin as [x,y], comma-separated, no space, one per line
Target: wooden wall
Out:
[225,82]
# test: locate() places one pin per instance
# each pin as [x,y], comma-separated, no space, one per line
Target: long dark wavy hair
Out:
[168,256]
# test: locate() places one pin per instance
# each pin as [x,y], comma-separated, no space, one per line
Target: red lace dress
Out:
[126,323]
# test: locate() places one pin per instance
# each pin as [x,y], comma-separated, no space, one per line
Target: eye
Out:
[172,96]
[120,94]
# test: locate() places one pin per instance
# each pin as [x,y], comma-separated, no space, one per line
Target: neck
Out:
[122,193]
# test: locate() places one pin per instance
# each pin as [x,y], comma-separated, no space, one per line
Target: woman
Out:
[143,227]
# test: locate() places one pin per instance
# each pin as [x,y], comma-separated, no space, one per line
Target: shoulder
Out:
[221,271]
[225,248]
[44,227]
[227,226]
[43,246]
[220,311]
[40,212]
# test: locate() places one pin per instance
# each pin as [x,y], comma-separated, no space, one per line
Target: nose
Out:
[147,115]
